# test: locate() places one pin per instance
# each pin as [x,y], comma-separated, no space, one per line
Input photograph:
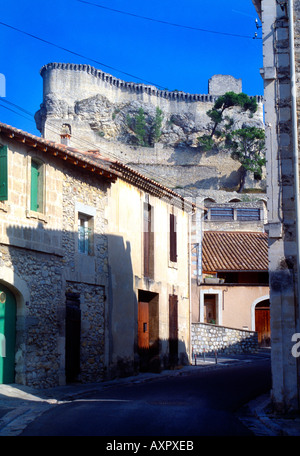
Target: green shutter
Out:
[3,173]
[34,186]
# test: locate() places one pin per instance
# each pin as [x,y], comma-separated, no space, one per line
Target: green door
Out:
[7,335]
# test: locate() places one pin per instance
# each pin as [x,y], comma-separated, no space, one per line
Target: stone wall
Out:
[218,82]
[40,262]
[224,340]
[92,351]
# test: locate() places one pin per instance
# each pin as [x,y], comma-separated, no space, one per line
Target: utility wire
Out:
[163,22]
[78,55]
[15,112]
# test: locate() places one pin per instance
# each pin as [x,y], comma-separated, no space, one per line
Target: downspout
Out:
[295,153]
[190,284]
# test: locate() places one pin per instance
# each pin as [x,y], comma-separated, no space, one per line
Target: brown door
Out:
[143,325]
[262,324]
[173,329]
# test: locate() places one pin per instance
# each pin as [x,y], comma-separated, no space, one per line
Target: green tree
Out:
[248,147]
[155,131]
[146,132]
[226,101]
[140,127]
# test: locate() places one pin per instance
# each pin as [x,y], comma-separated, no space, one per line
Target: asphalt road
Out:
[201,403]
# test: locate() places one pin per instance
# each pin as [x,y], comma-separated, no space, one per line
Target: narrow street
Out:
[200,403]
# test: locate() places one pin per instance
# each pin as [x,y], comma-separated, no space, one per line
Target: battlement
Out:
[137,88]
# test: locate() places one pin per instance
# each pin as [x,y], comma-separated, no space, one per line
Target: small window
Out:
[3,173]
[85,234]
[37,186]
[221,213]
[173,239]
[248,214]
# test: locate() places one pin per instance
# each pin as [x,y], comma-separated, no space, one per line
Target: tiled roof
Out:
[94,161]
[234,251]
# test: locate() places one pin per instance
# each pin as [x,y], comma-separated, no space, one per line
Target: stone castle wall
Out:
[96,107]
[63,77]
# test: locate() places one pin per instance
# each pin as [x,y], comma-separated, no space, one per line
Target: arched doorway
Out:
[8,331]
[262,323]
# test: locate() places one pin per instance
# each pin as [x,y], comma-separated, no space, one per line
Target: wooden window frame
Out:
[173,238]
[85,229]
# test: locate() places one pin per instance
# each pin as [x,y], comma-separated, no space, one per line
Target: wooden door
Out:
[143,325]
[173,328]
[262,326]
[8,335]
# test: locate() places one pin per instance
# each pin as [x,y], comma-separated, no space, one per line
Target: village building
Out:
[94,265]
[280,21]
[230,280]
[122,257]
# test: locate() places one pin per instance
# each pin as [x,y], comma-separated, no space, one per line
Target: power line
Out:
[164,22]
[78,54]
[15,112]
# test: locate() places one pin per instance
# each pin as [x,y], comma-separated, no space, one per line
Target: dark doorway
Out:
[73,330]
[210,308]
[262,323]
[148,331]
[173,329]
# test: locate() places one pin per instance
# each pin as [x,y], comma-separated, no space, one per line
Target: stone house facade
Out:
[280,28]
[79,253]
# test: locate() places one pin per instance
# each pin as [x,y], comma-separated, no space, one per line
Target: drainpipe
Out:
[190,282]
[295,155]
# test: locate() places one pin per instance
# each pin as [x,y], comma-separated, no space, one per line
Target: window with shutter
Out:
[173,239]
[36,194]
[3,174]
[85,234]
[148,241]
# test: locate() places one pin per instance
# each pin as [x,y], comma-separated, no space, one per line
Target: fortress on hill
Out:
[91,109]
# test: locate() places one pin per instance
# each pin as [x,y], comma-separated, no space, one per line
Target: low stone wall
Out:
[224,340]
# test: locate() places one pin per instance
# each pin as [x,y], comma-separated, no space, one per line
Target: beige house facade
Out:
[94,266]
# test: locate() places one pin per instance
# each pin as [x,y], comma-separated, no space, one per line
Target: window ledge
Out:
[37,215]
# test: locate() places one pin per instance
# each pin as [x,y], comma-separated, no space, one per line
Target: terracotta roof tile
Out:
[234,251]
[93,158]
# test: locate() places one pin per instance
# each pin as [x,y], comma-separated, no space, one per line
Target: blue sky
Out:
[165,55]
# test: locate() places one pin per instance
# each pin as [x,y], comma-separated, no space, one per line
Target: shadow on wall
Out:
[61,328]
[76,308]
